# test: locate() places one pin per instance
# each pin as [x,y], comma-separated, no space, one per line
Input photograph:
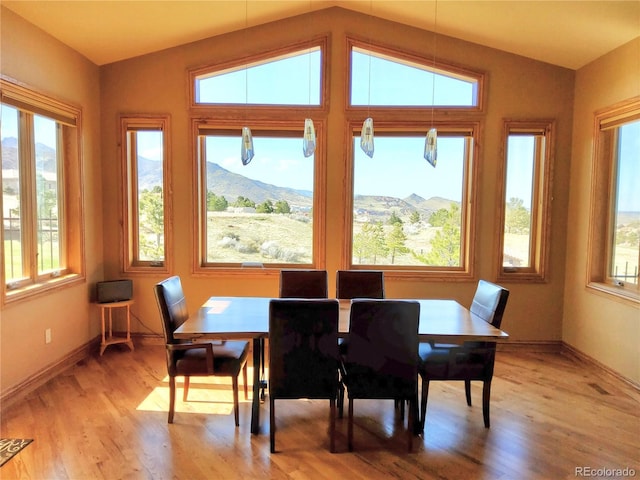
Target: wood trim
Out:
[13,394]
[583,357]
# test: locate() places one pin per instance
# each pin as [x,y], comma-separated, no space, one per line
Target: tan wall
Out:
[37,60]
[596,324]
[517,88]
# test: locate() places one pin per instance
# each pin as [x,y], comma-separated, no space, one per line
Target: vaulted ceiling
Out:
[566,33]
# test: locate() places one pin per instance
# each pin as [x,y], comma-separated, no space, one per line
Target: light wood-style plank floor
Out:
[106,418]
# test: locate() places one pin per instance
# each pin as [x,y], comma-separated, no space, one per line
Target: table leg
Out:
[255,405]
[103,344]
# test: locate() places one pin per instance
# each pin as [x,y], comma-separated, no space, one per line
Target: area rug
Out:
[10,447]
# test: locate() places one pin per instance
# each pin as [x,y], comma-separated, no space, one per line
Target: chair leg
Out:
[236,412]
[272,424]
[400,404]
[350,425]
[423,403]
[486,395]
[340,400]
[244,379]
[332,425]
[172,398]
[411,422]
[185,390]
[467,391]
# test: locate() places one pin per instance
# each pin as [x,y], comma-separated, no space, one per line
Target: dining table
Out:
[235,318]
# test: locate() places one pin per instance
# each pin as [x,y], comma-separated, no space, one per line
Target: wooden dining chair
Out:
[470,361]
[359,284]
[303,355]
[382,359]
[304,284]
[186,358]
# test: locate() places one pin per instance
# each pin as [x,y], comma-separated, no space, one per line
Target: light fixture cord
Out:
[435,41]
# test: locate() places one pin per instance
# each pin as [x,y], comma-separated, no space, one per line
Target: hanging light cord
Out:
[435,41]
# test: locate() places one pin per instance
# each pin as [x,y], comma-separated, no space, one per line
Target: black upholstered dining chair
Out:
[356,284]
[382,359]
[359,284]
[186,358]
[304,284]
[470,361]
[303,355]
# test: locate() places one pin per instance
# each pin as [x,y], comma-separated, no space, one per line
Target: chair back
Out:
[489,302]
[382,358]
[359,284]
[303,348]
[172,305]
[303,284]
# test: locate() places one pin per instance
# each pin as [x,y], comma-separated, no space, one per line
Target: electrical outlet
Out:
[47,335]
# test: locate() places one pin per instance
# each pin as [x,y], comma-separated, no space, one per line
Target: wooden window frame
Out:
[603,201]
[232,110]
[468,211]
[433,64]
[541,200]
[68,120]
[277,128]
[131,263]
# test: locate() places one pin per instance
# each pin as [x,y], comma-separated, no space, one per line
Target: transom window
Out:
[382,78]
[291,77]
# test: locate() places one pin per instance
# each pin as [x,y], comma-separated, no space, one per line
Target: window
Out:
[421,222]
[298,70]
[380,77]
[614,249]
[147,212]
[267,212]
[525,193]
[41,192]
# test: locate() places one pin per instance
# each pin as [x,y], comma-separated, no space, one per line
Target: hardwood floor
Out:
[106,418]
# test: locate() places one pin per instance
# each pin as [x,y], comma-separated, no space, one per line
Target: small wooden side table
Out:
[107,311]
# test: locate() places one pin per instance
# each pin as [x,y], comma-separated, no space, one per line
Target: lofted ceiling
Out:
[568,33]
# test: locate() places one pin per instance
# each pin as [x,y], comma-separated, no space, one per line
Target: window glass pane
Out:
[376,80]
[521,151]
[626,214]
[11,194]
[290,80]
[261,212]
[47,205]
[149,176]
[416,219]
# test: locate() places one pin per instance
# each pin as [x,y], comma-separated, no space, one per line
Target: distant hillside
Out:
[380,207]
[232,185]
[43,152]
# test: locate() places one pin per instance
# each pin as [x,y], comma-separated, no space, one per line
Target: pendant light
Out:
[246,150]
[431,141]
[366,135]
[309,138]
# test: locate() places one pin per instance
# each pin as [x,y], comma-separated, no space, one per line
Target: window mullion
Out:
[28,198]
